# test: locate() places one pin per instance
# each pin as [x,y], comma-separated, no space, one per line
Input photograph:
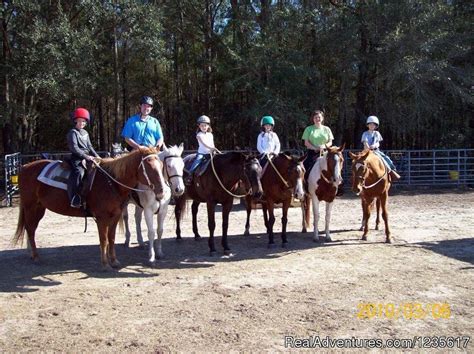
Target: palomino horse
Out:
[218,185]
[370,180]
[173,167]
[282,180]
[104,201]
[323,182]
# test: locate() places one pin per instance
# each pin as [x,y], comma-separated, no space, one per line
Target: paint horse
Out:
[370,180]
[218,184]
[148,205]
[281,181]
[105,200]
[323,183]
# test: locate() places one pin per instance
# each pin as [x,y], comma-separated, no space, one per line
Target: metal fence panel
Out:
[12,168]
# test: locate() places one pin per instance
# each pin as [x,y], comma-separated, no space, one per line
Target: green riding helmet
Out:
[267,120]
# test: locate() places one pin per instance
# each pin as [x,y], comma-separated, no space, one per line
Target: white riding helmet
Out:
[372,119]
[204,119]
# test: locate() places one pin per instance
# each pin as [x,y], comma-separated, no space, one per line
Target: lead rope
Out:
[373,184]
[220,183]
[277,172]
[124,185]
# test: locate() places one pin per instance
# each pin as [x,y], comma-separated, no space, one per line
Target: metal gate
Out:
[12,168]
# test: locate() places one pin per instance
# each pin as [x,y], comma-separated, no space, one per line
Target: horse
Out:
[218,184]
[107,196]
[173,167]
[282,180]
[323,183]
[370,180]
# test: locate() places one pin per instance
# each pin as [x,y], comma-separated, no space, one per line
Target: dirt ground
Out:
[259,298]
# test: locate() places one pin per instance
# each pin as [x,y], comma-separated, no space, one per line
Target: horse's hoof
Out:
[364,238]
[141,246]
[246,233]
[304,230]
[228,253]
[376,228]
[328,239]
[115,264]
[212,253]
[316,239]
[197,237]
[388,240]
[107,268]
[126,245]
[361,228]
[284,245]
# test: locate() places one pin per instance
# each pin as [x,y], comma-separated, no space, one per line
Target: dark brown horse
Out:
[105,200]
[370,180]
[219,184]
[281,182]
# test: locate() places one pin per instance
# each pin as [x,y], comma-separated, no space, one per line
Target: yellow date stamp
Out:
[406,310]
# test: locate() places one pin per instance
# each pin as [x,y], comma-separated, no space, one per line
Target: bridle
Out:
[166,168]
[150,185]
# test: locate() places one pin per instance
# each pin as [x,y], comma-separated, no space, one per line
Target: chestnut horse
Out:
[105,201]
[323,183]
[218,184]
[282,180]
[370,180]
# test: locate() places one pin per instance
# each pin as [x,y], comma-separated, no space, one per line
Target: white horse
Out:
[323,182]
[173,167]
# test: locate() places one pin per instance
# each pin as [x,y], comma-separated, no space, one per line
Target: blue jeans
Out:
[386,160]
[197,161]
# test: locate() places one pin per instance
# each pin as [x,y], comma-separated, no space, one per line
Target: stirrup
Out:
[76,201]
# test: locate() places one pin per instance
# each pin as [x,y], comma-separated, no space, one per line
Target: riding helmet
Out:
[146,100]
[372,119]
[203,119]
[267,120]
[81,113]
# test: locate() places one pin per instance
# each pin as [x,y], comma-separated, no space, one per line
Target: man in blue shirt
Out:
[142,129]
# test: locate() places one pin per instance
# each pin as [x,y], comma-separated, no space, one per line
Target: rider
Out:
[267,141]
[371,139]
[316,138]
[142,129]
[81,148]
[206,145]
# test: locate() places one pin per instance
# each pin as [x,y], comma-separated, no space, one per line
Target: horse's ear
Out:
[302,158]
[181,146]
[352,155]
[341,149]
[165,148]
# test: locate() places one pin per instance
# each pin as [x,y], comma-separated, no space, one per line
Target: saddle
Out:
[56,174]
[202,167]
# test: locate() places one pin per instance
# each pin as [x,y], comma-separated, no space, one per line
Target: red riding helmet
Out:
[81,113]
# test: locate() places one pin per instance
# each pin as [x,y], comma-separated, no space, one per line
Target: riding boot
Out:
[394,175]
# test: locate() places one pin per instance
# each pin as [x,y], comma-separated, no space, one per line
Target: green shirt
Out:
[318,136]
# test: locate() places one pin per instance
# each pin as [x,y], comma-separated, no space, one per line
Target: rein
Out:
[220,182]
[277,172]
[124,185]
[374,184]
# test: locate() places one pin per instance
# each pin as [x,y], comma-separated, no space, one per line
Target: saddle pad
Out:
[188,161]
[53,175]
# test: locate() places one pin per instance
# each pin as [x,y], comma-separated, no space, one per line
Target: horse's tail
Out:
[20,228]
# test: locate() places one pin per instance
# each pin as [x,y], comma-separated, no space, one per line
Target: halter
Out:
[374,184]
[277,172]
[166,167]
[150,185]
[222,185]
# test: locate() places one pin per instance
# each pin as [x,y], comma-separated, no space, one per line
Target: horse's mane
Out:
[120,167]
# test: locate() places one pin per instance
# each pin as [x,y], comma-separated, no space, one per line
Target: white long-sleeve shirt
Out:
[268,143]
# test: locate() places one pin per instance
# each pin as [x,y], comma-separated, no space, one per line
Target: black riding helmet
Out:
[146,100]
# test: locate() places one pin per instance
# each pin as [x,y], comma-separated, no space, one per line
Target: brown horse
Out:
[108,195]
[370,180]
[218,184]
[281,182]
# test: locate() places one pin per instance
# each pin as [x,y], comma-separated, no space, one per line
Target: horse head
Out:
[335,163]
[251,174]
[173,167]
[295,174]
[360,170]
[150,170]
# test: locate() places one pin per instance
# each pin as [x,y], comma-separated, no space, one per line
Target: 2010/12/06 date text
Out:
[408,310]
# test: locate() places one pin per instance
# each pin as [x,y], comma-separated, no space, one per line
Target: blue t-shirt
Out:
[146,133]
